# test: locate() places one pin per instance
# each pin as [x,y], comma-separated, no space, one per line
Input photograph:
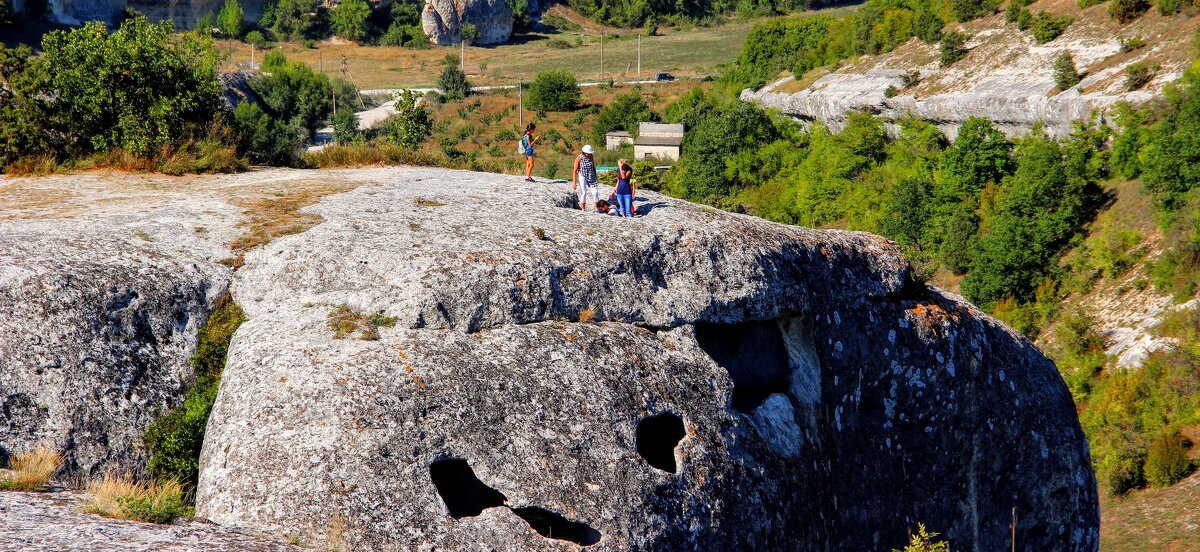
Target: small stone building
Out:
[658,141]
[617,138]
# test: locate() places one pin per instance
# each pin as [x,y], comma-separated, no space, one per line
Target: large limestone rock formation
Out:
[97,326]
[442,20]
[741,385]
[1006,76]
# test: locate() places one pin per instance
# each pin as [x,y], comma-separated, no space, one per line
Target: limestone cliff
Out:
[1006,77]
[443,20]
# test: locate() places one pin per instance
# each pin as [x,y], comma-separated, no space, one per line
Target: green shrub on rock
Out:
[174,440]
[953,48]
[1065,74]
[1125,11]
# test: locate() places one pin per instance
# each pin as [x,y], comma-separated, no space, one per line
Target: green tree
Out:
[292,19]
[1171,156]
[966,10]
[1042,207]
[351,19]
[411,126]
[470,33]
[453,83]
[256,38]
[929,26]
[722,133]
[623,113]
[345,127]
[265,140]
[229,20]
[293,92]
[953,47]
[554,90]
[80,95]
[1046,26]
[980,154]
[907,210]
[1065,73]
[956,248]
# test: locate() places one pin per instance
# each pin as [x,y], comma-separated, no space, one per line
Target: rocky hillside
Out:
[1006,76]
[436,364]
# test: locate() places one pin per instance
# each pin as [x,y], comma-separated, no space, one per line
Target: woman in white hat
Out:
[584,177]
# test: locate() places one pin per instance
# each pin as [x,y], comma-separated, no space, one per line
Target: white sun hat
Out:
[588,149]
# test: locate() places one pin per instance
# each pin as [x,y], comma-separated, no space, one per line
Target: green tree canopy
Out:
[411,126]
[229,20]
[623,113]
[351,19]
[554,90]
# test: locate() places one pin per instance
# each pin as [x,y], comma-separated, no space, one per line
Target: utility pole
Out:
[462,55]
[520,104]
[321,62]
[251,56]
[639,56]
[601,56]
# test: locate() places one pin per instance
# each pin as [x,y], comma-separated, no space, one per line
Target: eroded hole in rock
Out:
[551,525]
[464,494]
[657,438]
[754,355]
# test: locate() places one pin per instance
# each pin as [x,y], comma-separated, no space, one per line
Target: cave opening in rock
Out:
[657,437]
[551,525]
[464,494]
[753,353]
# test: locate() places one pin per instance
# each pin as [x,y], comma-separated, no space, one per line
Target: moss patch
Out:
[174,440]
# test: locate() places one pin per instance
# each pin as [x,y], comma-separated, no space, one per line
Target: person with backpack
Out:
[625,188]
[584,177]
[526,148]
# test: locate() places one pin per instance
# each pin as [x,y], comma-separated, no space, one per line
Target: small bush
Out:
[1137,74]
[30,471]
[1024,20]
[360,155]
[924,541]
[910,78]
[1084,4]
[1047,27]
[554,90]
[953,48]
[1065,74]
[124,498]
[1130,44]
[345,321]
[1012,10]
[966,10]
[539,233]
[1168,7]
[1167,462]
[411,125]
[1120,471]
[890,92]
[1125,11]
[453,83]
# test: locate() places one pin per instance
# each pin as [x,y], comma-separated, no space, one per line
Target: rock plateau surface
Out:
[534,377]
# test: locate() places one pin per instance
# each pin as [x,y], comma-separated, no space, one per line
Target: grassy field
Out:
[1153,519]
[684,52]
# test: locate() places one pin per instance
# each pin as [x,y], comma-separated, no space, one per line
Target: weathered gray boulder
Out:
[746,385]
[443,20]
[97,327]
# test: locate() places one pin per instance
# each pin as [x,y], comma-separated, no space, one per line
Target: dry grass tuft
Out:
[124,498]
[30,471]
[345,322]
[336,541]
[272,217]
[368,155]
[587,315]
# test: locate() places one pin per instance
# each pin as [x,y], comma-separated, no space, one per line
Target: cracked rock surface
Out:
[97,327]
[827,400]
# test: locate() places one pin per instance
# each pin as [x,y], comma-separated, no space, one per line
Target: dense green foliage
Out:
[411,126]
[1065,73]
[351,20]
[229,20]
[639,13]
[554,90]
[924,540]
[174,440]
[80,97]
[453,83]
[266,140]
[1167,461]
[1046,26]
[623,113]
[804,43]
[952,48]
[292,92]
[294,19]
[1125,11]
[966,10]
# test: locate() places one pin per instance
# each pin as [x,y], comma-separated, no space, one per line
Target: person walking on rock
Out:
[527,142]
[625,189]
[584,177]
